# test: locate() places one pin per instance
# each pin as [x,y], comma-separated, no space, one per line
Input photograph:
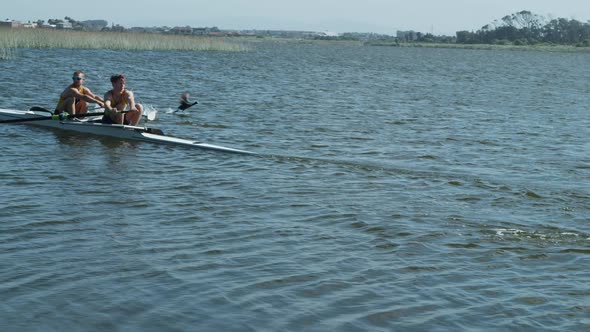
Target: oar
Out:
[62,116]
[150,114]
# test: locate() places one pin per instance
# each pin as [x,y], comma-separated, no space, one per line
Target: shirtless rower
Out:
[75,98]
[118,100]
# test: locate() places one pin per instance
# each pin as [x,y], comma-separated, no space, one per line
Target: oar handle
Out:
[64,115]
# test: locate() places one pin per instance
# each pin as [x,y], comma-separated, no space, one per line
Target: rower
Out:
[117,100]
[75,97]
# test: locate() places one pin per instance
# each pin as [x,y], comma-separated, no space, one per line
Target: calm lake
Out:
[397,189]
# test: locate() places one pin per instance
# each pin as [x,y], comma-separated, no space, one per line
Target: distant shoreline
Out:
[538,47]
[13,39]
[491,47]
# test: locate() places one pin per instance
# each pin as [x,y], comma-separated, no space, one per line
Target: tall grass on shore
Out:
[7,53]
[12,39]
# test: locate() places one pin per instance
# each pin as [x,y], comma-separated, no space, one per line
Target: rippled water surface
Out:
[396,189]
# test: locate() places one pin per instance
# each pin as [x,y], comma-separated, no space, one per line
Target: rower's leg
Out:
[69,105]
[81,107]
[133,117]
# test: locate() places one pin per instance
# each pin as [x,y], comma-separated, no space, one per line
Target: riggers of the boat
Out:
[88,126]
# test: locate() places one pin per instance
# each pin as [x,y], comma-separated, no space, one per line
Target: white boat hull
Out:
[112,130]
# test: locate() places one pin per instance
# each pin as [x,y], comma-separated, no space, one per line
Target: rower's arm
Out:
[131,101]
[110,111]
[107,101]
[93,96]
[89,97]
[94,100]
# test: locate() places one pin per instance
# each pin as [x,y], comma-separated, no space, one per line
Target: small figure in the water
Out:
[184,102]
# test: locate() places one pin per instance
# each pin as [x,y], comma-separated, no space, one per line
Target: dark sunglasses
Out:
[78,78]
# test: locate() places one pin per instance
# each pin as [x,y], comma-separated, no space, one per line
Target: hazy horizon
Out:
[379,16]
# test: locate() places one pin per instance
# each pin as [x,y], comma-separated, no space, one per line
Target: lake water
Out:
[397,189]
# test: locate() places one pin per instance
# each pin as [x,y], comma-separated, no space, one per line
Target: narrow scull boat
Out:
[90,126]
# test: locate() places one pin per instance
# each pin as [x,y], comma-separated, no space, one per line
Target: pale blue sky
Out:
[381,16]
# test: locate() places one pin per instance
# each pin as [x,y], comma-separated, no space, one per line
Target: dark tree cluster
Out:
[526,28]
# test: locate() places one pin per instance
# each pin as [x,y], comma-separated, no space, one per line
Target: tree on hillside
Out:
[524,20]
[54,21]
[564,31]
[525,27]
[94,25]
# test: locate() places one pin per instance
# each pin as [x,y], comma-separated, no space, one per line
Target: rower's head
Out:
[78,77]
[118,81]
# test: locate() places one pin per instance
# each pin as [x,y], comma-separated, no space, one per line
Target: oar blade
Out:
[150,113]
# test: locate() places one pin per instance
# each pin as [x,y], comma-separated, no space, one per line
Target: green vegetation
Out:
[526,28]
[519,31]
[12,39]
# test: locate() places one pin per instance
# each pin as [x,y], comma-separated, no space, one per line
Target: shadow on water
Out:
[73,139]
[500,192]
[202,124]
[486,191]
[454,179]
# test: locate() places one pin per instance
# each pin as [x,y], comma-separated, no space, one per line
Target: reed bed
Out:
[12,39]
[7,53]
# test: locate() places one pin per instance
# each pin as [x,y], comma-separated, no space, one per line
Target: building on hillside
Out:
[10,24]
[30,25]
[329,34]
[64,25]
[407,35]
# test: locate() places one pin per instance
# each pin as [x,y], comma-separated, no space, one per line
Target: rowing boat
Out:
[92,125]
